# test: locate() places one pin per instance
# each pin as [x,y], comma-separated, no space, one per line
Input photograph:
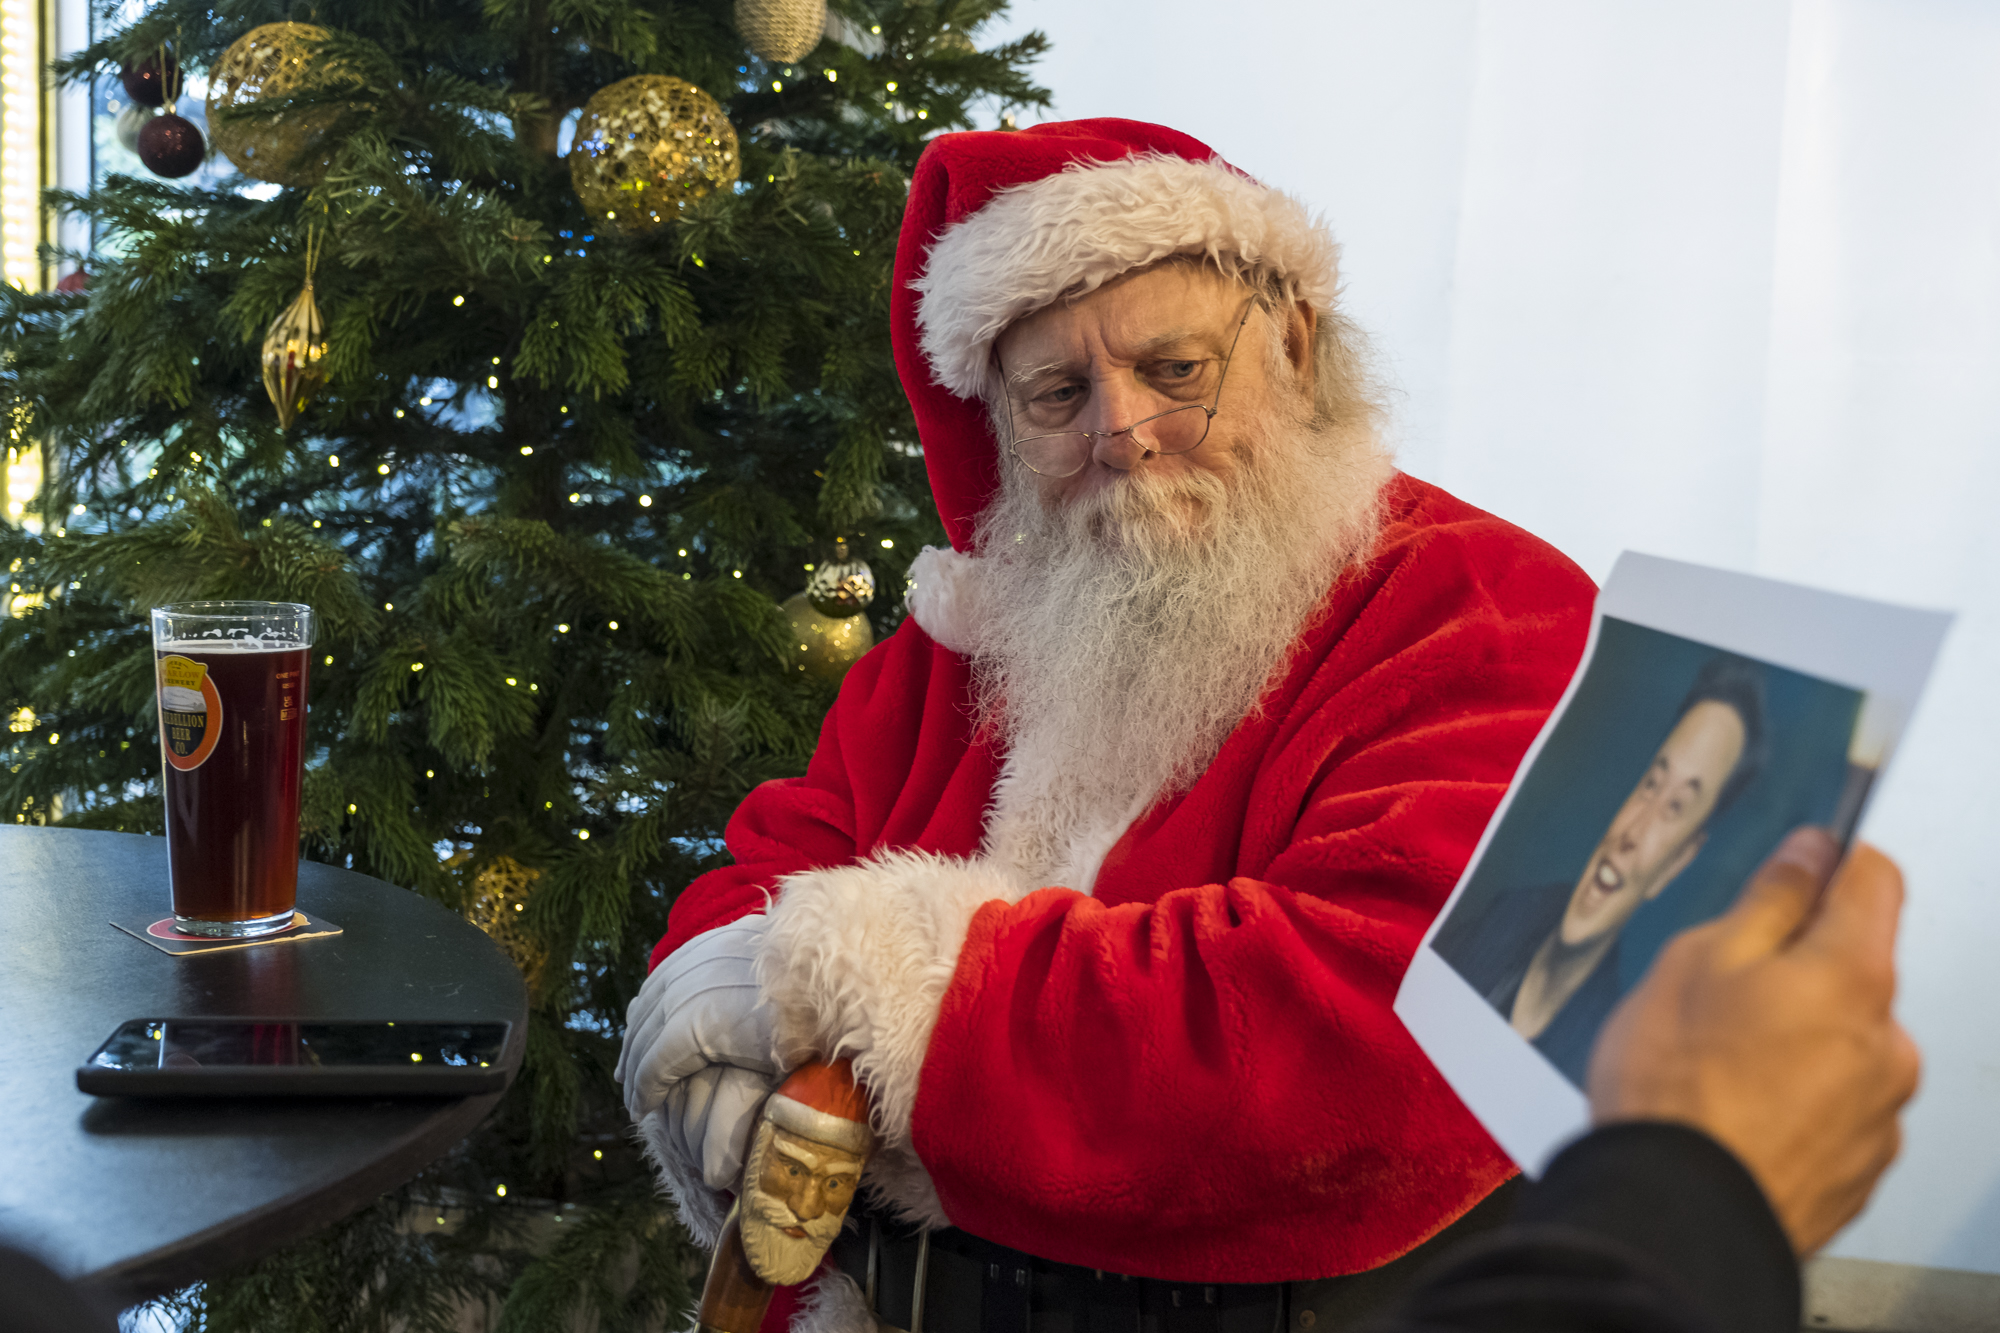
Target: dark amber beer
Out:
[231,685]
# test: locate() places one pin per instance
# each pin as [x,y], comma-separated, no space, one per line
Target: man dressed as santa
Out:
[1110,860]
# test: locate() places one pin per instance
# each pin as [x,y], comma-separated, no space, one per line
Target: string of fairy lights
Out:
[22,92]
[25,27]
[21,169]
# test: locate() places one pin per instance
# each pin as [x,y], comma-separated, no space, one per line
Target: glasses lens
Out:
[1054,455]
[1173,432]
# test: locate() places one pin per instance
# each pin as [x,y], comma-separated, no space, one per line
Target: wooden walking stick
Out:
[805,1161]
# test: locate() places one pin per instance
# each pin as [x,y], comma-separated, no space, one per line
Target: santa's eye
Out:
[791,1169]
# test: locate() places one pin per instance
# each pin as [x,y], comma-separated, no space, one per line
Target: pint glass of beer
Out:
[231,682]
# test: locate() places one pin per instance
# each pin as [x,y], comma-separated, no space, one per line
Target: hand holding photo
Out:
[1712,713]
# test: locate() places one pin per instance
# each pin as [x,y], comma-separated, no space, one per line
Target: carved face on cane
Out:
[805,1163]
[795,1196]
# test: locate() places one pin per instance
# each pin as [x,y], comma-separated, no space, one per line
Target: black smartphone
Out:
[235,1057]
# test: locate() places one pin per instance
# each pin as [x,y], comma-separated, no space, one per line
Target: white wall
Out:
[1716,279]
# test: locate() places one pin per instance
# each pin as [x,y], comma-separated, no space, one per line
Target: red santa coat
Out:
[1192,1072]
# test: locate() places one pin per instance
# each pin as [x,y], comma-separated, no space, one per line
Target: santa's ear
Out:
[1301,331]
[1689,850]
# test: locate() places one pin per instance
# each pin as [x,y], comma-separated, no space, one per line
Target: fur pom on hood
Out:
[944,596]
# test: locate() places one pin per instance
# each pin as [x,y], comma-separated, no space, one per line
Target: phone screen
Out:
[208,1043]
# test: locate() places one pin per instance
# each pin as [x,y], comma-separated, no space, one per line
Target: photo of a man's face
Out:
[1658,829]
[1711,714]
[1675,768]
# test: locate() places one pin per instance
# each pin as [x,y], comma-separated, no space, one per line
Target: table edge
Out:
[266,1230]
[286,1220]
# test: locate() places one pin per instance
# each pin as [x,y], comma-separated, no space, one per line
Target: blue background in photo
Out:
[1624,708]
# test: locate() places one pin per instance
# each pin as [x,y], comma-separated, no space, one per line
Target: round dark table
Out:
[135,1197]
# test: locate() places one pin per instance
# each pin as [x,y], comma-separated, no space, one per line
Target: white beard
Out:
[1127,633]
[784,1260]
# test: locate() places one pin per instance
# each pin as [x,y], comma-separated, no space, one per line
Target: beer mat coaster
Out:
[162,935]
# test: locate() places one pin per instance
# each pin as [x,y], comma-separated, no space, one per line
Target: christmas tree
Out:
[562,471]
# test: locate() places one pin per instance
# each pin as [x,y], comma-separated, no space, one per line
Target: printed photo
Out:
[1675,769]
[1713,713]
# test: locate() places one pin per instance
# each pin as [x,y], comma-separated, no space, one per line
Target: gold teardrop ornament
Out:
[294,357]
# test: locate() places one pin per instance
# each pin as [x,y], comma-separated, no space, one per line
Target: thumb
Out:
[1858,917]
[1780,895]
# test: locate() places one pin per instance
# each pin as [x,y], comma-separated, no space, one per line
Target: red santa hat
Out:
[822,1102]
[1002,223]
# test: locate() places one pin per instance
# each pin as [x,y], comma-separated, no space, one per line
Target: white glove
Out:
[709,1119]
[698,1043]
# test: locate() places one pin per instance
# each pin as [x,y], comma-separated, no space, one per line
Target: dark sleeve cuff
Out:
[1683,1201]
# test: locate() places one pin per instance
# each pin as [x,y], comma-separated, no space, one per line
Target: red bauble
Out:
[147,85]
[72,281]
[171,146]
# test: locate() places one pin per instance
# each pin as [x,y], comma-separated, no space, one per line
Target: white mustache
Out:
[783,1258]
[773,1211]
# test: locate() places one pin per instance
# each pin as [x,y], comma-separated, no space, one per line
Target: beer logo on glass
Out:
[190,713]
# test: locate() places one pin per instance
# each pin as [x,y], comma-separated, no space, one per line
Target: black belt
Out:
[950,1282]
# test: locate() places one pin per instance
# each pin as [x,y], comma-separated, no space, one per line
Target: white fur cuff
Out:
[856,963]
[944,596]
[834,1304]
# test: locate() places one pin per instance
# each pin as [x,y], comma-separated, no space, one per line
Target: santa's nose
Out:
[811,1203]
[1120,452]
[1114,405]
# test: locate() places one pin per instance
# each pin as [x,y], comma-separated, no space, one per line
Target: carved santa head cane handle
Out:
[805,1162]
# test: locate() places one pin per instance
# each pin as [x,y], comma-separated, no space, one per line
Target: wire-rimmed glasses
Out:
[1178,430]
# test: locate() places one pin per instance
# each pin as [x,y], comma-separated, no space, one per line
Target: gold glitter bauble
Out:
[646,146]
[294,349]
[825,646]
[781,30]
[842,586]
[499,904]
[273,62]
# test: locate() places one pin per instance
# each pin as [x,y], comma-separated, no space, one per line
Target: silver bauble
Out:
[843,586]
[130,121]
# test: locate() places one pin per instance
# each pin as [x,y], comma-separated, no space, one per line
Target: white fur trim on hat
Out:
[944,596]
[856,962]
[809,1122]
[1074,231]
